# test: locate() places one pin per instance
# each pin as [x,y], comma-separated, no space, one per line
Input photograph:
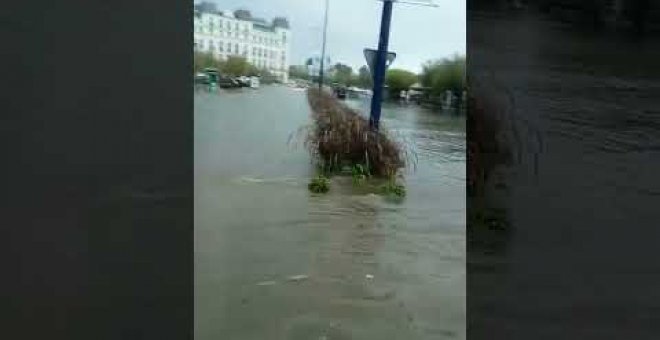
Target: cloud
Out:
[418,33]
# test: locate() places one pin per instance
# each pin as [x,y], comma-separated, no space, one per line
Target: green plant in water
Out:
[394,189]
[359,174]
[319,184]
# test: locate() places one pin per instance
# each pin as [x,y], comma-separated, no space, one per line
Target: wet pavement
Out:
[273,261]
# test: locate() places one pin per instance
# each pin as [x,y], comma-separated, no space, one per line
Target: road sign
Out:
[370,55]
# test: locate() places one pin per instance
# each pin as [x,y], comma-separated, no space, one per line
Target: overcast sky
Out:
[418,33]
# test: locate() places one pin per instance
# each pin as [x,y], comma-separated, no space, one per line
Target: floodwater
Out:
[583,195]
[273,261]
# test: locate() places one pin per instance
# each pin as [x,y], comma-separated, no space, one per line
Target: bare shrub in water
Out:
[493,140]
[341,137]
[485,149]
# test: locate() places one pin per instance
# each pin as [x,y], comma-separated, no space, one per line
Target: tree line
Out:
[437,76]
[232,66]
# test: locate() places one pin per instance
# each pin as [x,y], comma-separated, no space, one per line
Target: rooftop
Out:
[242,14]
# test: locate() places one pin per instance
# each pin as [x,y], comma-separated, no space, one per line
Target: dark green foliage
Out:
[238,66]
[393,189]
[399,80]
[343,74]
[204,60]
[359,173]
[319,184]
[232,66]
[298,72]
[443,75]
[267,77]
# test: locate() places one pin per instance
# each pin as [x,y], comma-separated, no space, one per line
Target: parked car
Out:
[228,82]
[243,81]
[340,92]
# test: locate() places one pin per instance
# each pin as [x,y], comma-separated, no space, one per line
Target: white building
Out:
[224,34]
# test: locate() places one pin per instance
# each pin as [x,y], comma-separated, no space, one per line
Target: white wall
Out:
[264,49]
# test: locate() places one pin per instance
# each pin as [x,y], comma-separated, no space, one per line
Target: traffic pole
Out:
[325,32]
[381,58]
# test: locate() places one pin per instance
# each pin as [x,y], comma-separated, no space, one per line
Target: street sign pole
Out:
[325,32]
[379,71]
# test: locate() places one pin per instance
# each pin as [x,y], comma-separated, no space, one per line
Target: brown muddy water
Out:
[273,261]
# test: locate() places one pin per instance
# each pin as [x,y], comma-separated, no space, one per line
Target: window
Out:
[236,48]
[237,27]
[221,46]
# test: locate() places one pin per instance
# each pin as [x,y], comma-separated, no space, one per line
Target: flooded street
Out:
[273,261]
[583,191]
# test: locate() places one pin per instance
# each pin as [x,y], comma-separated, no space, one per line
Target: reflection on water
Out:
[366,267]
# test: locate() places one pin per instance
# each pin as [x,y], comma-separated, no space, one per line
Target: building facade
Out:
[264,44]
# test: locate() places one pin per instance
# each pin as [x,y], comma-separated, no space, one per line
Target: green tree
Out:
[267,77]
[298,72]
[237,66]
[445,74]
[343,74]
[398,80]
[202,60]
[252,70]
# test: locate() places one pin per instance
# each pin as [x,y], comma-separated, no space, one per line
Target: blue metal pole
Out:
[381,58]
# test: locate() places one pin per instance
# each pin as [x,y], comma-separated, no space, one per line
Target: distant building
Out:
[313,65]
[224,33]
